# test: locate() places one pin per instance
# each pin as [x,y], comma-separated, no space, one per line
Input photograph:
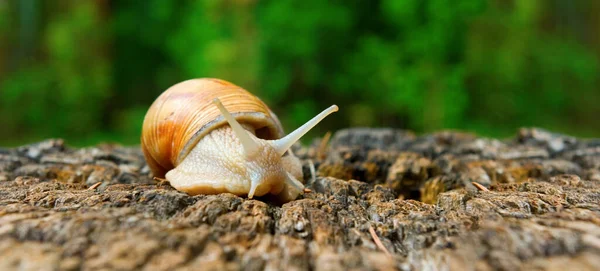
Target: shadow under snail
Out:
[209,136]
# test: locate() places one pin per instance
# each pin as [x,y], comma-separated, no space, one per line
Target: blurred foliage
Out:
[88,70]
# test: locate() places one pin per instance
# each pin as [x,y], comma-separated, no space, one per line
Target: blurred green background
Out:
[87,71]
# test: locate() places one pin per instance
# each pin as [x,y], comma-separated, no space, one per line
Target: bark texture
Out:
[535,205]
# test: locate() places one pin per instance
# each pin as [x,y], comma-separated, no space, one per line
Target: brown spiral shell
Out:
[185,112]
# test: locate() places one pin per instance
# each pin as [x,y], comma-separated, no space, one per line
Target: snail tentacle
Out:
[285,143]
[292,181]
[250,146]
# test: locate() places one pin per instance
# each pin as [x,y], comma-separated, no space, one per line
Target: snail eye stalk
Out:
[250,146]
[284,144]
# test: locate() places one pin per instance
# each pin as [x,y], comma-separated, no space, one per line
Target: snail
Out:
[209,136]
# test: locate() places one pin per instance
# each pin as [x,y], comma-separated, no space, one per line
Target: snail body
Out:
[209,136]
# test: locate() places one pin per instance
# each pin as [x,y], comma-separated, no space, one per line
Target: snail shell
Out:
[210,136]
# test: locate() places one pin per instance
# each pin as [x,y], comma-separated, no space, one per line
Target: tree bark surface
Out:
[441,201]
